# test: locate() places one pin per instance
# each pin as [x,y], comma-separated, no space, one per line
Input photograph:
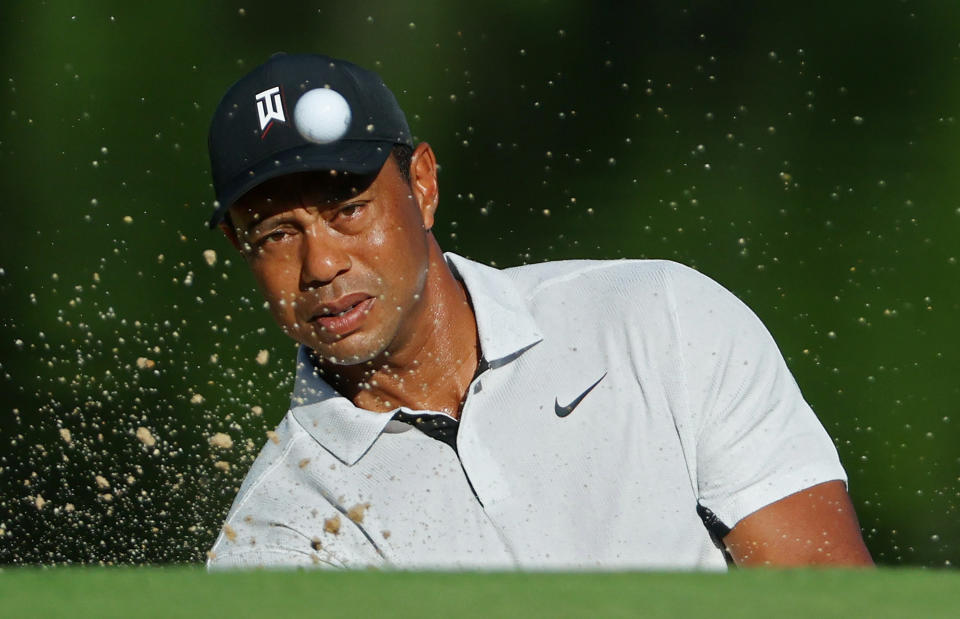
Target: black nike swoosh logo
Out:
[563,411]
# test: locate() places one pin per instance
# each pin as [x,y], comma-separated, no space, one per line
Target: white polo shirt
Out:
[691,403]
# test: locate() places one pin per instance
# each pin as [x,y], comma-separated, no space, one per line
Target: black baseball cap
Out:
[259,132]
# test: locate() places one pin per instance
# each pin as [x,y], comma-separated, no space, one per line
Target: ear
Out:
[423,181]
[231,233]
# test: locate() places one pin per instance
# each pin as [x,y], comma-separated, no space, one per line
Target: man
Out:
[582,414]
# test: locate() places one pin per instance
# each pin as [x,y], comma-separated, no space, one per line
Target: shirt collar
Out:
[504,323]
[505,328]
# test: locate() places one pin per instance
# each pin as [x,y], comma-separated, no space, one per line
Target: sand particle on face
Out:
[263,357]
[144,363]
[102,482]
[65,435]
[210,256]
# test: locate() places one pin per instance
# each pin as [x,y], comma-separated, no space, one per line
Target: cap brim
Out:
[362,158]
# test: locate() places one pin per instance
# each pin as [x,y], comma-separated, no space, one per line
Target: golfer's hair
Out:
[403,155]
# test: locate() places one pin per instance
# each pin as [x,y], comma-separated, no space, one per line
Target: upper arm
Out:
[751,436]
[816,526]
[764,464]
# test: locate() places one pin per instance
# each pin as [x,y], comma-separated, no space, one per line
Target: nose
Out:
[324,258]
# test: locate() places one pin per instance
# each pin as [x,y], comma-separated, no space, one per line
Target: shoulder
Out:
[267,468]
[617,276]
[632,288]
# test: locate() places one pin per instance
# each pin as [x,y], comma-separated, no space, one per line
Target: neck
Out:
[432,367]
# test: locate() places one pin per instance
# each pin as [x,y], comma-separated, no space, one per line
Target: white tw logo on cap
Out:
[269,109]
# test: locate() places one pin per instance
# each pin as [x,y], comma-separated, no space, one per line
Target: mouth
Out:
[343,316]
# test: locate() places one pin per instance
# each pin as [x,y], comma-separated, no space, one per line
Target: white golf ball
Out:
[322,115]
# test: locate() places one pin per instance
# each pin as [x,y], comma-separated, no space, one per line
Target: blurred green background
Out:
[803,155]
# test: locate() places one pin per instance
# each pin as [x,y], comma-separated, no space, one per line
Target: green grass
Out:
[171,592]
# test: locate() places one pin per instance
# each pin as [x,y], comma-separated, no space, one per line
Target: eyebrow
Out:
[332,203]
[252,224]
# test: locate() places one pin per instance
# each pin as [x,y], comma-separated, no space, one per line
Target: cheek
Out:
[400,256]
[279,284]
[378,241]
[407,239]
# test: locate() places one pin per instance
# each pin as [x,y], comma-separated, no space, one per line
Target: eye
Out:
[351,210]
[274,236]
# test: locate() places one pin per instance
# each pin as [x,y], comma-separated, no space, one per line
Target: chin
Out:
[349,359]
[347,353]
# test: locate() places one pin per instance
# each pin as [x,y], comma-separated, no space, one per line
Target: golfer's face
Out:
[340,270]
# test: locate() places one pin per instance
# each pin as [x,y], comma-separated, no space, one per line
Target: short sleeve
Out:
[756,439]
